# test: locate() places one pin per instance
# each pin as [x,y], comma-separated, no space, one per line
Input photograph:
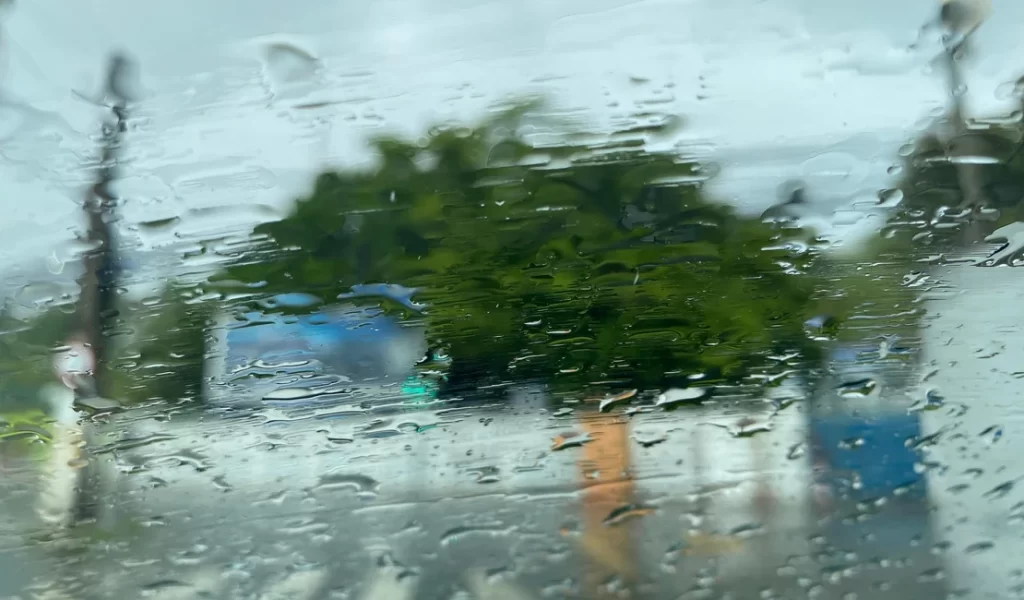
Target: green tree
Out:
[164,359]
[26,354]
[935,212]
[158,349]
[564,263]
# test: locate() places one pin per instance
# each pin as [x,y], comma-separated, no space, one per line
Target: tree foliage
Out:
[158,350]
[26,353]
[564,263]
[934,213]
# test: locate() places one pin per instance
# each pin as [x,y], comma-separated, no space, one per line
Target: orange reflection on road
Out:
[608,486]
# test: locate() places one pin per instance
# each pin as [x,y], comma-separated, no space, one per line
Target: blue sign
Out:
[865,450]
[868,456]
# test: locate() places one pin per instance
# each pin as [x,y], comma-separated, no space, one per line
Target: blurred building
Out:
[972,351]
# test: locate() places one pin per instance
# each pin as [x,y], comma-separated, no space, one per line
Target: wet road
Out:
[537,540]
[643,505]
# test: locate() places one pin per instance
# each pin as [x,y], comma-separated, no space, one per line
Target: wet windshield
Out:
[577,299]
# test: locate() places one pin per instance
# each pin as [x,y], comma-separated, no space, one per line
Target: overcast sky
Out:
[770,88]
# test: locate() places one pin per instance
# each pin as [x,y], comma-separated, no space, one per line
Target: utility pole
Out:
[68,494]
[99,278]
[958,20]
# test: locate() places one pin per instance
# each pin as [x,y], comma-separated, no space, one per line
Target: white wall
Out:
[974,341]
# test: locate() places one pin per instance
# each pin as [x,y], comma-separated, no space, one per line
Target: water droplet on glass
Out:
[858,388]
[851,443]
[363,485]
[1001,490]
[796,451]
[992,434]
[745,427]
[890,198]
[650,438]
[610,402]
[570,440]
[461,532]
[486,474]
[627,512]
[675,396]
[979,547]
[932,400]
[1012,238]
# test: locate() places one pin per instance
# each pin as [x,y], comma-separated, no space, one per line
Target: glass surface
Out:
[511,300]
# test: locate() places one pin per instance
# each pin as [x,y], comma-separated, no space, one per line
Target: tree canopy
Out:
[933,212]
[566,263]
